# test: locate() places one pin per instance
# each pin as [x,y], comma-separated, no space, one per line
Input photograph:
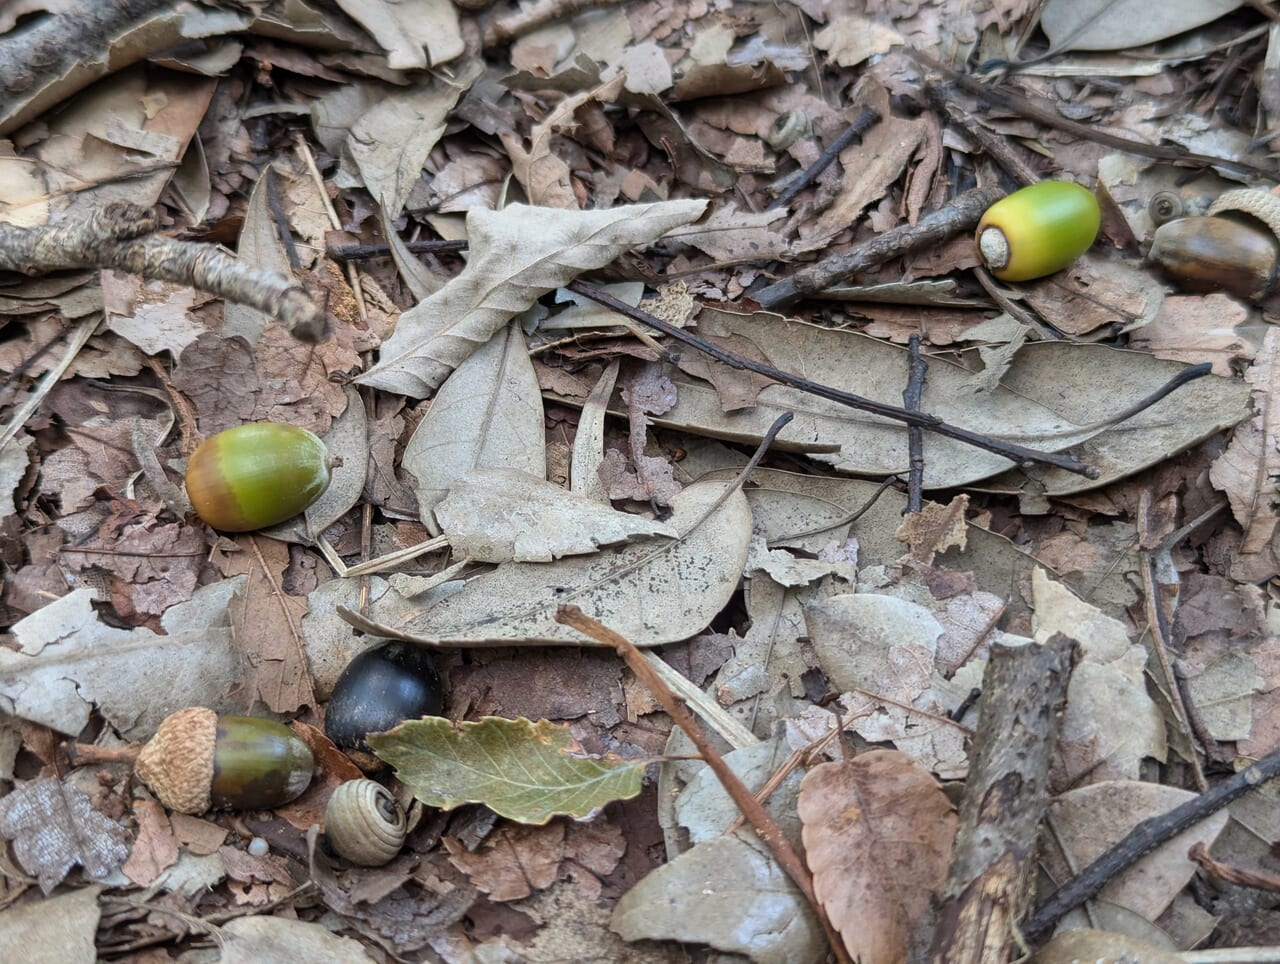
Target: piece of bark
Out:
[50,58]
[989,886]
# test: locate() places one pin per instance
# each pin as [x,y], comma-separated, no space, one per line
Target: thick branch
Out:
[1024,691]
[960,214]
[112,237]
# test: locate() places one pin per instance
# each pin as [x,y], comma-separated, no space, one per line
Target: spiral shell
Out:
[364,824]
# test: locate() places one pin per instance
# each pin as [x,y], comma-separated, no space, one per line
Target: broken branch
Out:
[113,237]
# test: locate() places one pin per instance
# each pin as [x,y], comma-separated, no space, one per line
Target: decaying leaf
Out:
[487,415]
[53,827]
[1090,820]
[500,515]
[878,832]
[63,927]
[518,254]
[652,593]
[523,770]
[69,662]
[1110,724]
[729,893]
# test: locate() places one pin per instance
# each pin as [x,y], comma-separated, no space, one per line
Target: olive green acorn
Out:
[199,761]
[1038,230]
[256,475]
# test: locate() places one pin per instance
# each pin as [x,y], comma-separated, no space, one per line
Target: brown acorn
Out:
[1234,248]
[199,761]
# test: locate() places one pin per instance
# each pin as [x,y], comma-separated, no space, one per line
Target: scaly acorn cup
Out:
[1038,230]
[199,761]
[256,475]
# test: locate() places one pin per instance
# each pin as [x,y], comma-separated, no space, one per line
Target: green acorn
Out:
[253,476]
[1038,230]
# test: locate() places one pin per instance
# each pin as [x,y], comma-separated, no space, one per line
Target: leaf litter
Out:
[483,483]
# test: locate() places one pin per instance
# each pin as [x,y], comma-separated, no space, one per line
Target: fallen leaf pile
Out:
[455,183]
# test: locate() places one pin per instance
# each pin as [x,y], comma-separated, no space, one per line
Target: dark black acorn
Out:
[383,686]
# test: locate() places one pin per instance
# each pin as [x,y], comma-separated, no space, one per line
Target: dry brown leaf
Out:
[935,528]
[1199,328]
[265,623]
[155,848]
[878,832]
[737,388]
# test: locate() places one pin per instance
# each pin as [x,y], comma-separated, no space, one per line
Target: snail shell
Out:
[364,823]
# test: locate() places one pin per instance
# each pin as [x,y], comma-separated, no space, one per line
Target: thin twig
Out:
[1011,307]
[931,423]
[1050,117]
[999,149]
[765,826]
[1142,840]
[353,252]
[1233,874]
[1159,627]
[850,135]
[917,368]
[962,213]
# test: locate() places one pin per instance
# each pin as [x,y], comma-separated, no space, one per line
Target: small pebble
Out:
[258,847]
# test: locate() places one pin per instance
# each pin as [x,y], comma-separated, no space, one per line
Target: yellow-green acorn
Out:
[1038,230]
[256,475]
[198,760]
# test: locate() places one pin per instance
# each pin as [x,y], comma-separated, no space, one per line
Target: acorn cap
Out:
[177,763]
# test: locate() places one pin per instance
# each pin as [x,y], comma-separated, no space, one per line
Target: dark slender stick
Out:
[1049,116]
[999,149]
[930,423]
[957,215]
[350,252]
[916,370]
[1141,840]
[861,124]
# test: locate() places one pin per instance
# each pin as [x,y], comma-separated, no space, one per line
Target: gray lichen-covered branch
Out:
[117,237]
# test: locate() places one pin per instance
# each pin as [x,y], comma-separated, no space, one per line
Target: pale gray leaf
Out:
[391,142]
[500,515]
[517,255]
[259,246]
[651,592]
[1122,24]
[1048,400]
[70,661]
[488,414]
[729,893]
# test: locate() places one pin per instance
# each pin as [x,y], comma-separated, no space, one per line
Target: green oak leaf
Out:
[520,769]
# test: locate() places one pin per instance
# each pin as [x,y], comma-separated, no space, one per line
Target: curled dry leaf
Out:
[878,832]
[500,515]
[488,414]
[517,255]
[650,593]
